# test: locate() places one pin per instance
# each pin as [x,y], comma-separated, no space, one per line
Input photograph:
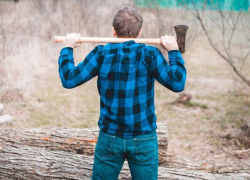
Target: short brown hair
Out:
[127,22]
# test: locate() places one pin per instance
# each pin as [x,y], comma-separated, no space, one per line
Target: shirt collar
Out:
[129,42]
[126,43]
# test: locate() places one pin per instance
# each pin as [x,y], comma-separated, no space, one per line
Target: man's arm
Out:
[71,75]
[172,75]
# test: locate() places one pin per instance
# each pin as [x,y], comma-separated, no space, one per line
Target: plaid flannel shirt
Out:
[126,74]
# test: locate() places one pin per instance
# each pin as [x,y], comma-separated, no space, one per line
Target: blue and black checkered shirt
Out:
[126,74]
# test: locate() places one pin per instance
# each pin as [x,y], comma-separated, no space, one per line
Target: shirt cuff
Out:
[175,55]
[66,50]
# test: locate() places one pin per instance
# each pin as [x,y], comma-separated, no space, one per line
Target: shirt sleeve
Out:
[172,75]
[72,76]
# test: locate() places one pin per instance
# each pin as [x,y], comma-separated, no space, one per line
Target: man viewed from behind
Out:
[126,75]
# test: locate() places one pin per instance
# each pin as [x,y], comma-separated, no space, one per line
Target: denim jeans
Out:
[141,153]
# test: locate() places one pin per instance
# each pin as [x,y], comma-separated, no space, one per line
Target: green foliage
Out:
[225,5]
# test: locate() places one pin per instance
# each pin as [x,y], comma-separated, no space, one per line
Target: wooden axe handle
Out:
[111,40]
[180,30]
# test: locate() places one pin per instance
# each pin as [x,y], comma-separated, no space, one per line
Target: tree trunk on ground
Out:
[25,162]
[179,162]
[80,141]
[61,153]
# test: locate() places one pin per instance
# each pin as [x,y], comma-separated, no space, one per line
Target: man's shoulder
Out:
[98,48]
[151,50]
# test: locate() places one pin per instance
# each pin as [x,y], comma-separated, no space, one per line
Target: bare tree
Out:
[227,32]
[6,29]
[167,18]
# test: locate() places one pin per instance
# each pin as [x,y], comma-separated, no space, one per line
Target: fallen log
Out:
[83,141]
[179,162]
[80,141]
[25,162]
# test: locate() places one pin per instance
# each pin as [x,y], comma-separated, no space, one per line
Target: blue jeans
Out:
[141,153]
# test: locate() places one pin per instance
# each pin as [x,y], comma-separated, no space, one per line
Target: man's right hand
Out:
[169,43]
[72,40]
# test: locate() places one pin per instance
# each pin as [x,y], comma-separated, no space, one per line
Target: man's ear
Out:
[114,32]
[139,35]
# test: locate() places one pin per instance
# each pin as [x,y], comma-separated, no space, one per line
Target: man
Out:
[126,74]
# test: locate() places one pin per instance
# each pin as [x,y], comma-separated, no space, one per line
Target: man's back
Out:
[126,91]
[126,73]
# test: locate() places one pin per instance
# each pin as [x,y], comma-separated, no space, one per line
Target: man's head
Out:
[127,23]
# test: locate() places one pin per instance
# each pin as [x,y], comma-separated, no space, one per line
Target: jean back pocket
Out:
[146,148]
[104,145]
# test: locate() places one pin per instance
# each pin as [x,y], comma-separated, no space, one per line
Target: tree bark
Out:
[25,162]
[83,141]
[179,162]
[62,153]
[80,141]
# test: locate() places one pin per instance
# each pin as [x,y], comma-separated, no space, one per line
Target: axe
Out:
[181,31]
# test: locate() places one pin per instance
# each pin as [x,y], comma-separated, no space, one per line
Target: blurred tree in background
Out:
[225,23]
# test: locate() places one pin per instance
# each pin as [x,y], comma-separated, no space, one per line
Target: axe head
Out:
[181,31]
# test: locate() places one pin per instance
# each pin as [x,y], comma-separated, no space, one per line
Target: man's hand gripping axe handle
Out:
[181,31]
